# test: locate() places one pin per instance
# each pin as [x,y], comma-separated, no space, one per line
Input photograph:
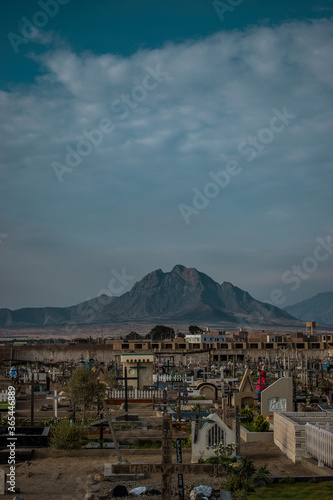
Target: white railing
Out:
[166,377]
[134,394]
[319,443]
[3,395]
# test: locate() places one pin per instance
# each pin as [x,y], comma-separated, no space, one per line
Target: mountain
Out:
[318,308]
[184,294]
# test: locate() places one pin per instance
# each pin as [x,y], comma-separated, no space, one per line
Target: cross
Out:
[126,378]
[238,418]
[137,368]
[55,402]
[167,468]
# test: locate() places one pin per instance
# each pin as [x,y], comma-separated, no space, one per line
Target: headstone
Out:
[277,397]
[213,432]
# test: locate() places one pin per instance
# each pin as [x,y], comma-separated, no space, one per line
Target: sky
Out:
[137,135]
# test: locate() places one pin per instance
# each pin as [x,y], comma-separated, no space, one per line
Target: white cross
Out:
[55,402]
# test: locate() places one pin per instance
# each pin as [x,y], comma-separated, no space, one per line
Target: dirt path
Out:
[65,478]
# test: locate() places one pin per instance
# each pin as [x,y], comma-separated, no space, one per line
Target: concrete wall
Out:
[256,437]
[289,431]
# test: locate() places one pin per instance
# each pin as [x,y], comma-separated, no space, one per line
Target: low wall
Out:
[258,437]
[289,431]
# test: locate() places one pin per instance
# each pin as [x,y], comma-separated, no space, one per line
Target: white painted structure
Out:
[134,394]
[166,377]
[213,432]
[290,433]
[205,338]
[319,443]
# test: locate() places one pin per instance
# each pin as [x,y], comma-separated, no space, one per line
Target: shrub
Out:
[261,425]
[234,483]
[287,480]
[66,436]
[261,476]
[248,413]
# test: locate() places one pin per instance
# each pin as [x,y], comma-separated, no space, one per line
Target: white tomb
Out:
[209,437]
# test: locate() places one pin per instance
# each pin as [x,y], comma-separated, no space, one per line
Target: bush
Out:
[261,425]
[248,413]
[66,436]
[234,483]
[287,480]
[261,476]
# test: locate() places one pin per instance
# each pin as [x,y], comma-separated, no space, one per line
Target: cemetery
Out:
[149,425]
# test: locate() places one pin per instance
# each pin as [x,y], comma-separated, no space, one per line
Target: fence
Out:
[3,396]
[319,443]
[165,377]
[134,394]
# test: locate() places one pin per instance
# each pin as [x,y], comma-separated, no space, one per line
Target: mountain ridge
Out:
[318,308]
[183,294]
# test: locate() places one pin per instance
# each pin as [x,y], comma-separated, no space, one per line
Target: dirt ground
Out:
[65,478]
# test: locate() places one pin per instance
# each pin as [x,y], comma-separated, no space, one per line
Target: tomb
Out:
[278,397]
[208,438]
[140,369]
[246,393]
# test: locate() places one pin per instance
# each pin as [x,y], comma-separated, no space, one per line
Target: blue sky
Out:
[118,117]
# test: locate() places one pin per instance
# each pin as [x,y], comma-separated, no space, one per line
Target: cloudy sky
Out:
[137,135]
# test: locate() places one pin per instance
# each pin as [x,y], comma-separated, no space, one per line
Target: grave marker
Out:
[180,476]
[167,468]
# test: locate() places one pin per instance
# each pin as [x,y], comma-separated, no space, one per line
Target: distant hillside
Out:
[318,308]
[184,294]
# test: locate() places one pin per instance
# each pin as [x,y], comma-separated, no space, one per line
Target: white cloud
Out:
[218,92]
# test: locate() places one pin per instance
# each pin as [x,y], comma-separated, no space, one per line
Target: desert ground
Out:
[64,478]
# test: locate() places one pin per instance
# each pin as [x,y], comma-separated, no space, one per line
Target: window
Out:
[214,436]
[125,346]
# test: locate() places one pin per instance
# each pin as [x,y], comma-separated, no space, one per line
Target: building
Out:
[206,337]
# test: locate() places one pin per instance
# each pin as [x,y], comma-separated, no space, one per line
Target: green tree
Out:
[133,336]
[110,378]
[85,389]
[161,332]
[193,329]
